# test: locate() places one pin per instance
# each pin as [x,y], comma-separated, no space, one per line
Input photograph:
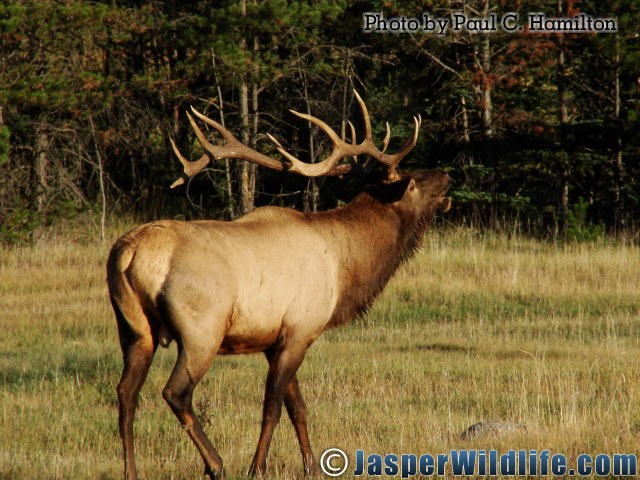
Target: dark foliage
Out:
[91,92]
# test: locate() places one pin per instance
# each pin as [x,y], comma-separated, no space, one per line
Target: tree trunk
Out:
[253,141]
[227,165]
[618,166]
[486,113]
[563,114]
[247,169]
[40,170]
[466,138]
[103,195]
[246,197]
[312,191]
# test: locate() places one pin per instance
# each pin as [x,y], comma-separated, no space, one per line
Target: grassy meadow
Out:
[477,327]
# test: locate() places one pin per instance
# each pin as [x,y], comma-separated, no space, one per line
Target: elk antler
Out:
[341,149]
[232,149]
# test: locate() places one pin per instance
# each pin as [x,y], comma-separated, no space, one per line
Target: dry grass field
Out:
[477,327]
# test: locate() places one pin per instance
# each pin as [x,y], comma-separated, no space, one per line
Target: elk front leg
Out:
[283,365]
[298,414]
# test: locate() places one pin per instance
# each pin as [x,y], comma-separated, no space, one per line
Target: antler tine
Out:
[365,116]
[185,163]
[226,134]
[342,149]
[323,126]
[232,148]
[326,167]
[391,161]
[387,137]
[354,141]
[273,139]
[190,168]
[201,138]
[411,141]
[295,163]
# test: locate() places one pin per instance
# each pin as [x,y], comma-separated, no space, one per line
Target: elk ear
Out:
[390,192]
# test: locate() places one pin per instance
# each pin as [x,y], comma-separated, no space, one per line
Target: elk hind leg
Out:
[137,350]
[190,367]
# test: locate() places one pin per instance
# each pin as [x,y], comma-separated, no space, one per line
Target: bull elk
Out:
[271,281]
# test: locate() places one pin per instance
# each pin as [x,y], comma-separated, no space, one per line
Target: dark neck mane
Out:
[373,239]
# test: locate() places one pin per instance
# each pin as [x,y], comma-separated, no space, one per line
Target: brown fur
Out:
[270,282]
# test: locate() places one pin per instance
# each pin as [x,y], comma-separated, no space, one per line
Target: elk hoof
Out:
[257,471]
[214,474]
[312,471]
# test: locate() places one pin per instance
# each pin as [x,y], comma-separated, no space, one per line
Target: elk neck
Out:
[372,240]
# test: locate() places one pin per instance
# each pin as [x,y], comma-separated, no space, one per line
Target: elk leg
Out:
[137,354]
[297,411]
[283,364]
[178,393]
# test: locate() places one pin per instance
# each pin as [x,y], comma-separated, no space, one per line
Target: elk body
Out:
[269,282]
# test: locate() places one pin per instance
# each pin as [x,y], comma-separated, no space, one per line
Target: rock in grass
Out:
[492,428]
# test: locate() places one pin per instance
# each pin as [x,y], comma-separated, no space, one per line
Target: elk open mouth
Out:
[444,205]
